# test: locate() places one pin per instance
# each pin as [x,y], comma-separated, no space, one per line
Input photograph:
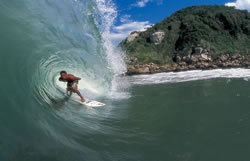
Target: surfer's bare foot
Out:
[83,100]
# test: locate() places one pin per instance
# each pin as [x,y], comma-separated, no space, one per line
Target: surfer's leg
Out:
[69,91]
[74,88]
[79,94]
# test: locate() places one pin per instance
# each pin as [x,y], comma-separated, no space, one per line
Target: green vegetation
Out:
[219,29]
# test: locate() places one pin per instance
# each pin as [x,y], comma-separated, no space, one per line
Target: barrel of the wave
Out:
[38,40]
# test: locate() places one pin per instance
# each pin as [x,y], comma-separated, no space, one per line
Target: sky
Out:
[136,15]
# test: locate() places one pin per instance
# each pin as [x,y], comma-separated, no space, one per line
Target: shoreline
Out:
[192,62]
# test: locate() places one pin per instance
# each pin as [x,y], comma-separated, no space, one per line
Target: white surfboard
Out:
[90,103]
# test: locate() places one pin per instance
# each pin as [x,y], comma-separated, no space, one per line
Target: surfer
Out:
[72,83]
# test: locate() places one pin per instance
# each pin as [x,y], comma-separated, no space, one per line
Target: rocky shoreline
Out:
[202,61]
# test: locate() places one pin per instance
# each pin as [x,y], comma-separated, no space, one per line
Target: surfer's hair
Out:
[63,71]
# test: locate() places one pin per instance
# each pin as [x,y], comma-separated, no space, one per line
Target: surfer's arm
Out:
[74,78]
[62,80]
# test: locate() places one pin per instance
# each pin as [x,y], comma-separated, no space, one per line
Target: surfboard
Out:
[91,103]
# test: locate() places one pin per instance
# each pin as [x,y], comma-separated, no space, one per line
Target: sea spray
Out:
[107,14]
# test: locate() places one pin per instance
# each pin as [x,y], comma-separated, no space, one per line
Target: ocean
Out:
[184,116]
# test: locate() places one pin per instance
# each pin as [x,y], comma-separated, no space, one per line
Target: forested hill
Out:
[212,30]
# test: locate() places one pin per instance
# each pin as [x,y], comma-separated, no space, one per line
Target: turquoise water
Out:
[196,115]
[201,120]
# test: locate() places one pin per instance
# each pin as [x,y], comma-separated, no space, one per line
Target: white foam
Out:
[115,58]
[173,77]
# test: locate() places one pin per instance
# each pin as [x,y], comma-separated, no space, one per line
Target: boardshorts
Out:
[73,85]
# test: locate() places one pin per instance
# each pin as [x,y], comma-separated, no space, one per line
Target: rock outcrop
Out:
[157,37]
[193,62]
[132,36]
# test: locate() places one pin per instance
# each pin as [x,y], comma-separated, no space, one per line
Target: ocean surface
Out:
[185,116]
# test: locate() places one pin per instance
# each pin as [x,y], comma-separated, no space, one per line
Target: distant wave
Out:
[174,77]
